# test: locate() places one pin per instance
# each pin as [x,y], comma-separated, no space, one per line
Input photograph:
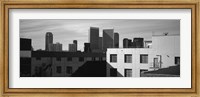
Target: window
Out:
[69,59]
[155,63]
[113,58]
[144,58]
[38,58]
[128,72]
[81,59]
[177,60]
[113,72]
[69,70]
[127,58]
[58,69]
[58,58]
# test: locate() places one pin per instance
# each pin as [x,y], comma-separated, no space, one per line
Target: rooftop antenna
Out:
[166,33]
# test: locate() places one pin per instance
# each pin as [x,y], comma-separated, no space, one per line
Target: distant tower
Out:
[125,42]
[48,41]
[57,47]
[94,38]
[72,48]
[76,43]
[139,42]
[87,47]
[108,39]
[116,40]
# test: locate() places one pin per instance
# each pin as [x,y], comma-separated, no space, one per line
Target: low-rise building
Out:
[61,64]
[130,62]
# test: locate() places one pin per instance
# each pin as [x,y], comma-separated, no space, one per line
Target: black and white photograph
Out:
[99,47]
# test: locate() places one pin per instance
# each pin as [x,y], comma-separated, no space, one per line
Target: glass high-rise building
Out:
[94,38]
[75,42]
[108,39]
[48,41]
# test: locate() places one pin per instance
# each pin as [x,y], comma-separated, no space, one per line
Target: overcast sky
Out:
[65,31]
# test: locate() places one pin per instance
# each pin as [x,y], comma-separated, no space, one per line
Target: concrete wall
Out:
[135,65]
[165,48]
[168,47]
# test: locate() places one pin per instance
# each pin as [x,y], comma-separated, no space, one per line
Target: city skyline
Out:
[65,31]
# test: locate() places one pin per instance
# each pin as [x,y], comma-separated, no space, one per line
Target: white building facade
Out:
[129,62]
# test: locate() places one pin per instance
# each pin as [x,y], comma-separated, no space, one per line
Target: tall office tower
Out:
[48,41]
[75,42]
[94,38]
[100,43]
[108,39]
[116,40]
[125,42]
[139,42]
[87,47]
[72,48]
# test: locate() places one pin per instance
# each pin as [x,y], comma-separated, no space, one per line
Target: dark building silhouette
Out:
[75,42]
[25,57]
[100,43]
[94,38]
[87,47]
[48,41]
[25,44]
[127,43]
[138,42]
[130,44]
[91,69]
[108,39]
[116,40]
[60,64]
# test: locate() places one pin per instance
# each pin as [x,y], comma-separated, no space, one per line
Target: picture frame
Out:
[91,92]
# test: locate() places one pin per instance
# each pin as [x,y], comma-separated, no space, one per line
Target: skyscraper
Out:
[75,42]
[116,40]
[108,39]
[48,41]
[94,38]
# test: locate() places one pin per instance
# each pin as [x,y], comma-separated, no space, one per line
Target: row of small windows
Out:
[68,69]
[128,58]
[81,59]
[127,72]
